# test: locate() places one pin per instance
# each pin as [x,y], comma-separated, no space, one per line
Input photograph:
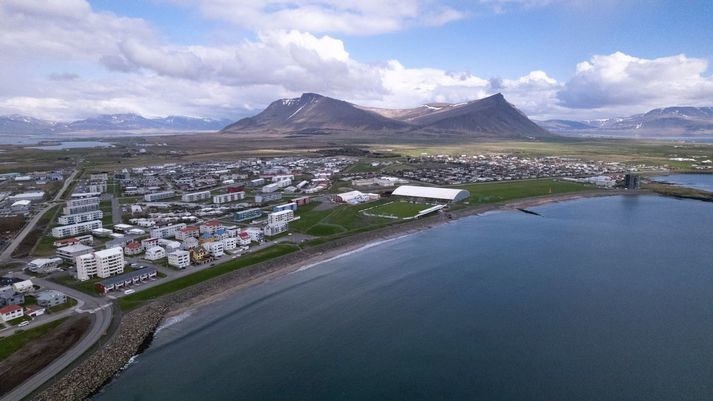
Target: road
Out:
[6,255]
[101,308]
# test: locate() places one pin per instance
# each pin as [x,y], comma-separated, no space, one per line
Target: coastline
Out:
[145,321]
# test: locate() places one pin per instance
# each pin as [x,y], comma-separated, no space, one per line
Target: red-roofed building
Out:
[133,248]
[187,232]
[243,238]
[211,227]
[11,312]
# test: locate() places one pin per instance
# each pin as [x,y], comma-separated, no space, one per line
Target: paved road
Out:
[101,308]
[7,253]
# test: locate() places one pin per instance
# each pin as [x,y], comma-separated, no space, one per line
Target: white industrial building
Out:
[80,217]
[432,193]
[30,196]
[74,229]
[355,197]
[70,252]
[167,231]
[44,265]
[105,263]
[180,259]
[229,197]
[21,206]
[195,196]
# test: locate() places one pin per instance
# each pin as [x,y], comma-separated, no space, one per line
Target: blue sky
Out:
[229,58]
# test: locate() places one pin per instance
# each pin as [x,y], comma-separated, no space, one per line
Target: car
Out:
[129,291]
[23,324]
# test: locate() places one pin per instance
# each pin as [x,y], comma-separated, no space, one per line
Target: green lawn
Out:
[12,343]
[338,220]
[105,207]
[87,287]
[128,200]
[398,209]
[44,246]
[135,300]
[15,322]
[509,190]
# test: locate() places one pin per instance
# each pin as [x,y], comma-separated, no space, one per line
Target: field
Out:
[12,343]
[397,209]
[509,190]
[135,300]
[28,243]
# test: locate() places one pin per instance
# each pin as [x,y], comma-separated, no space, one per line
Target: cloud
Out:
[62,76]
[619,79]
[353,17]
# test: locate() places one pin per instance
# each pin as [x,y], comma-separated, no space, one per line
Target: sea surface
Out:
[703,182]
[73,145]
[597,299]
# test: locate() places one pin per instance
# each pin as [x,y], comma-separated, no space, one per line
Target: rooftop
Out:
[431,192]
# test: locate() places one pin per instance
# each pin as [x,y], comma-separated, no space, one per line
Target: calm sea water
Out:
[598,299]
[704,182]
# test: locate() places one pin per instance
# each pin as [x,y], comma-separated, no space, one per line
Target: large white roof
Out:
[431,192]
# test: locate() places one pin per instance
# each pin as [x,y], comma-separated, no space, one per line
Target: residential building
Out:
[200,255]
[214,248]
[274,229]
[50,298]
[126,279]
[230,243]
[23,287]
[281,217]
[248,214]
[44,265]
[229,197]
[8,296]
[149,242]
[195,196]
[190,242]
[243,238]
[301,201]
[133,248]
[11,312]
[157,196]
[82,239]
[80,217]
[256,234]
[270,188]
[99,187]
[74,229]
[211,227]
[180,259]
[76,206]
[169,245]
[70,252]
[167,231]
[102,264]
[34,310]
[287,206]
[190,231]
[155,253]
[99,177]
[265,198]
[632,181]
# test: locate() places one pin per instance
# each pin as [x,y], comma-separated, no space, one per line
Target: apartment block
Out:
[105,263]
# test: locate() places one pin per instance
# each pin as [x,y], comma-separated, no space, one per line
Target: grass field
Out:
[398,209]
[135,300]
[105,207]
[35,235]
[510,190]
[12,343]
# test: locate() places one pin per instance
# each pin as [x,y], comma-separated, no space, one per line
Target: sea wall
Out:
[83,380]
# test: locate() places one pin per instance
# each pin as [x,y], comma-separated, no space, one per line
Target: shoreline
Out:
[380,236]
[138,325]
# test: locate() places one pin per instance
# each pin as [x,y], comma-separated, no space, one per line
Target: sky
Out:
[570,59]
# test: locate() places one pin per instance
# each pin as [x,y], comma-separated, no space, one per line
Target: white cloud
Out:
[619,81]
[354,17]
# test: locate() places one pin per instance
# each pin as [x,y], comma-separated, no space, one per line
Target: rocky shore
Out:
[138,325]
[96,370]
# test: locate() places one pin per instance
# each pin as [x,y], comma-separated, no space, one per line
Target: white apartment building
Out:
[82,205]
[157,196]
[270,188]
[99,177]
[167,231]
[80,217]
[105,263]
[281,217]
[155,253]
[179,259]
[214,248]
[229,197]
[75,229]
[274,229]
[230,243]
[99,187]
[70,252]
[195,196]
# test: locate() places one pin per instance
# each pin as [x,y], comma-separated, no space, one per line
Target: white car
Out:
[129,291]
[23,324]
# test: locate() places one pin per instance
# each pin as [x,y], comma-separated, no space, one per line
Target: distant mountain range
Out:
[18,124]
[668,121]
[313,114]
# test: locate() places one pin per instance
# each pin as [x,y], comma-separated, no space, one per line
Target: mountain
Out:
[17,124]
[666,121]
[312,113]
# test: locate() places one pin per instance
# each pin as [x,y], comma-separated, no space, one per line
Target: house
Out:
[50,298]
[44,265]
[200,255]
[169,245]
[84,239]
[155,253]
[125,280]
[149,242]
[255,233]
[8,296]
[133,248]
[23,286]
[243,238]
[189,243]
[180,259]
[34,310]
[10,312]
[230,243]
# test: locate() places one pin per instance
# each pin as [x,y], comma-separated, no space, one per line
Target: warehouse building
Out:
[431,194]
